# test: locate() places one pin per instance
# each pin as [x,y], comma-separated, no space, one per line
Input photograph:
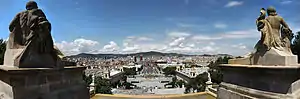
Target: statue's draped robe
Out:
[30,34]
[272,46]
[268,37]
[270,29]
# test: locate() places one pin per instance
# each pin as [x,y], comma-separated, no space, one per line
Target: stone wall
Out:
[261,82]
[42,83]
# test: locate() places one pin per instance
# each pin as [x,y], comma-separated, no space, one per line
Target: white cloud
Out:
[286,2]
[220,25]
[207,49]
[297,29]
[212,43]
[181,50]
[77,46]
[144,39]
[252,33]
[191,45]
[138,38]
[239,34]
[194,50]
[131,49]
[243,47]
[129,45]
[179,34]
[112,46]
[177,42]
[6,39]
[203,37]
[152,47]
[234,3]
[187,25]
[240,46]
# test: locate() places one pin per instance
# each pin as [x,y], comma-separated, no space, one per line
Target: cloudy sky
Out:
[128,26]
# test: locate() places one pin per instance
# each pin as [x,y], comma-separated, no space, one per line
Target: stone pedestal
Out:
[268,58]
[42,83]
[257,81]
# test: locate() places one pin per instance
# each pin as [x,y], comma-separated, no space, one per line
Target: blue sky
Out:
[127,26]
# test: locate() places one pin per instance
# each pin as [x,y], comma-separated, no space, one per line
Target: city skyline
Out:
[181,26]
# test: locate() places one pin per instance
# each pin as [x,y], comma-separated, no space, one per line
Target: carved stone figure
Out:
[270,29]
[273,48]
[30,42]
[286,36]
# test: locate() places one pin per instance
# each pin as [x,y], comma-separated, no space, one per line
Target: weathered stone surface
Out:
[273,48]
[230,91]
[44,83]
[258,81]
[30,44]
[10,56]
[269,58]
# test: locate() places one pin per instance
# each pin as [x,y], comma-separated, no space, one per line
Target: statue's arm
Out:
[14,22]
[283,23]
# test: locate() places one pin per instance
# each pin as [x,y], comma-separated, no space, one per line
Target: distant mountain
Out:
[154,53]
[145,54]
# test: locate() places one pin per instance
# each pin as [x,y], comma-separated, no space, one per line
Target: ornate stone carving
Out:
[273,48]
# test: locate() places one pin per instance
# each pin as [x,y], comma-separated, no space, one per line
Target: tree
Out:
[103,86]
[128,85]
[295,46]
[214,69]
[88,79]
[216,76]
[180,83]
[129,71]
[223,60]
[173,83]
[2,50]
[169,71]
[198,83]
[123,82]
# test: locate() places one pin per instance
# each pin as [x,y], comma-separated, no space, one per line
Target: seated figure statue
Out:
[273,48]
[30,44]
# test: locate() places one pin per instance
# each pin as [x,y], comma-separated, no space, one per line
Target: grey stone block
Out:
[256,81]
[269,58]
[44,83]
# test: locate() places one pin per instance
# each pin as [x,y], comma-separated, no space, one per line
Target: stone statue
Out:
[270,30]
[287,36]
[274,43]
[30,42]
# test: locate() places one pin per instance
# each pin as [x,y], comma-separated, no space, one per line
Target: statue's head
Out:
[271,11]
[31,5]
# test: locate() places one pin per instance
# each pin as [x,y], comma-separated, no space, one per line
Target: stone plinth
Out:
[271,57]
[42,83]
[256,81]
